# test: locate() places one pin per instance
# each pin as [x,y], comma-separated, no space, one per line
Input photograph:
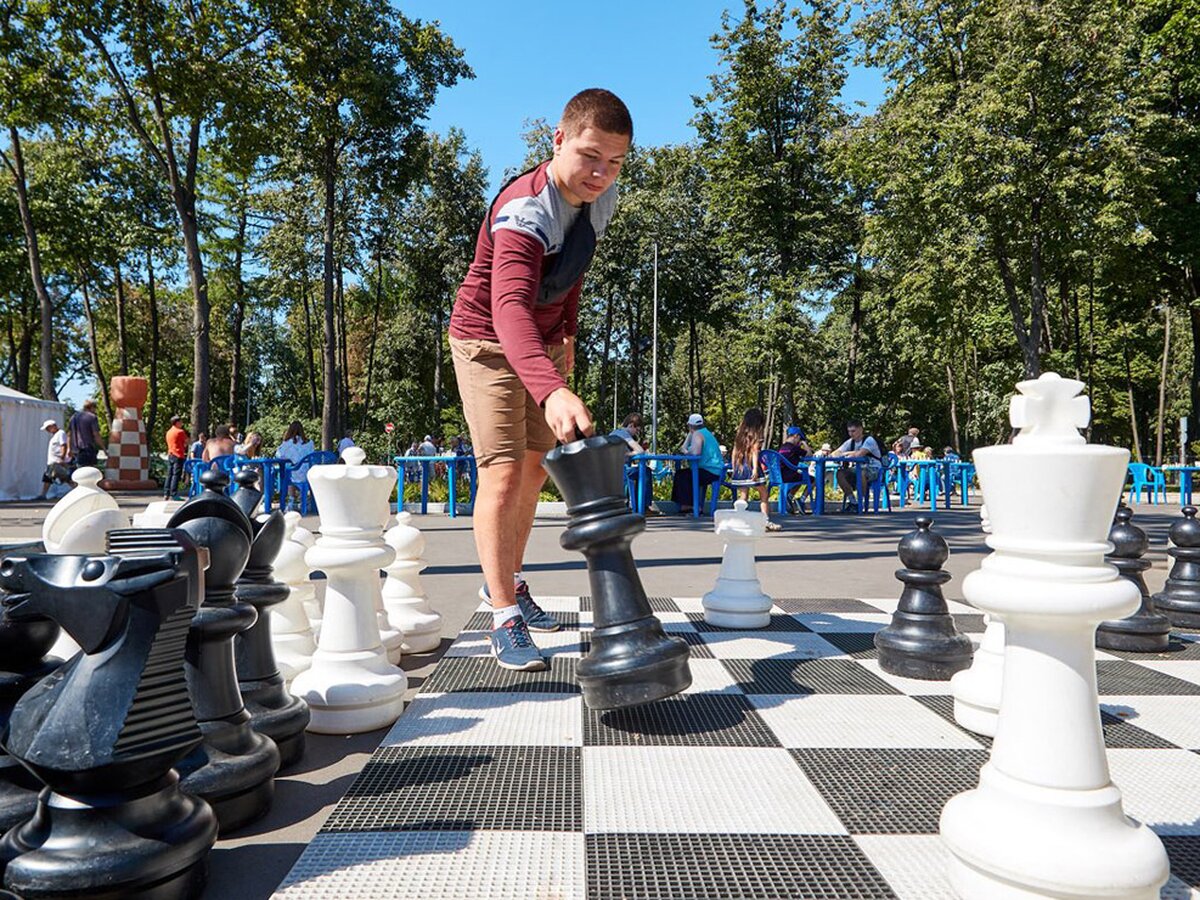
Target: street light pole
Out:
[654,364]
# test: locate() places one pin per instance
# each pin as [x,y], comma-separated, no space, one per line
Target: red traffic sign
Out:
[389,427]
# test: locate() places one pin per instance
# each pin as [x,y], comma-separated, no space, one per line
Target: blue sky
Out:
[529,61]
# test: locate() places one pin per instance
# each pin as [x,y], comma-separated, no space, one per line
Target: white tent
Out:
[22,442]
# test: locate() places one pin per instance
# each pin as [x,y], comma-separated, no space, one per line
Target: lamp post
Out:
[654,364]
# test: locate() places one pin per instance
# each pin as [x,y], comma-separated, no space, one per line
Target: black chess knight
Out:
[632,661]
[104,730]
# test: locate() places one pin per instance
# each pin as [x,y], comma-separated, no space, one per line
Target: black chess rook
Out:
[922,641]
[1146,630]
[112,820]
[632,661]
[1179,600]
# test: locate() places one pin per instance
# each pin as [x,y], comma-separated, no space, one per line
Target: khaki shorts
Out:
[502,417]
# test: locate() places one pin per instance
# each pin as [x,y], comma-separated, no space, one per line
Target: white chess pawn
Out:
[737,600]
[403,597]
[351,687]
[1046,819]
[977,689]
[79,523]
[157,514]
[312,597]
[291,632]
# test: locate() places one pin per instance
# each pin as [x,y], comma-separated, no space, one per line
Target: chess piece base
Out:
[234,770]
[1008,841]
[110,484]
[155,846]
[977,690]
[277,714]
[351,692]
[632,664]
[737,604]
[1182,614]
[18,794]
[1150,633]
[926,647]
[420,627]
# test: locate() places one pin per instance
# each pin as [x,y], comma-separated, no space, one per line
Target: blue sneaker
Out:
[536,618]
[514,648]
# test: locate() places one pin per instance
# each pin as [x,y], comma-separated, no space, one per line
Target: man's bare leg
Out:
[533,476]
[499,490]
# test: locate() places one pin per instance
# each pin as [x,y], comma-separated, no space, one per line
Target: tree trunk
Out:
[329,407]
[607,362]
[96,367]
[122,331]
[374,334]
[343,353]
[46,345]
[953,406]
[1137,446]
[239,309]
[1028,338]
[1194,383]
[152,414]
[1162,386]
[24,347]
[438,399]
[855,328]
[308,342]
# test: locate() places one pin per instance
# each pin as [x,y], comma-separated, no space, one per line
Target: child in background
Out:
[745,460]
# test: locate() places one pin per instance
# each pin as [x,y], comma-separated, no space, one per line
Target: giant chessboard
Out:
[792,768]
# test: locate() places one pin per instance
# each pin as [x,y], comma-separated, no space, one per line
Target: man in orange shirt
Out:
[177,450]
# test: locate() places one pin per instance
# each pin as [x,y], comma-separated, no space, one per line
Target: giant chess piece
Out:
[977,689]
[631,661]
[234,768]
[737,600]
[78,523]
[403,597]
[922,641]
[157,514]
[273,711]
[1179,600]
[1147,630]
[291,632]
[24,645]
[104,731]
[128,466]
[351,687]
[1046,819]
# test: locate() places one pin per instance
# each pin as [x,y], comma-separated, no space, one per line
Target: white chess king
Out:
[1046,819]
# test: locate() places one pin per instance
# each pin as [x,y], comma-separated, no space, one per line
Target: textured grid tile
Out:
[729,867]
[701,789]
[777,623]
[1182,669]
[490,719]
[911,686]
[843,623]
[446,865]
[675,622]
[1160,787]
[1165,721]
[482,621]
[881,791]
[710,676]
[1124,677]
[464,789]
[858,644]
[714,720]
[1184,853]
[943,705]
[768,645]
[806,676]
[657,604]
[567,642]
[1179,649]
[471,673]
[796,605]
[970,623]
[837,720]
[913,864]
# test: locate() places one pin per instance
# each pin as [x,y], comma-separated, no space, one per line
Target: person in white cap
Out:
[703,443]
[56,458]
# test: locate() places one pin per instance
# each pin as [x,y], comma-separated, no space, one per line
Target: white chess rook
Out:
[1046,819]
[403,597]
[351,687]
[291,632]
[737,599]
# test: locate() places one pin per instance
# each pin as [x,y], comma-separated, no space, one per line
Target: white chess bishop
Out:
[1046,819]
[291,632]
[351,686]
[404,599]
[737,599]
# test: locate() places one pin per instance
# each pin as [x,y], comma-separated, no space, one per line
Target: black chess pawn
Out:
[1146,630]
[273,711]
[632,661]
[24,644]
[104,731]
[234,768]
[1179,600]
[922,641]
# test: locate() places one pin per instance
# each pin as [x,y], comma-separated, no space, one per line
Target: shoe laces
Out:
[522,592]
[518,633]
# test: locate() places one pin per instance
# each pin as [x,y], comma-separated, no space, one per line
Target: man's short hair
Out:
[221,432]
[175,419]
[597,108]
[89,404]
[854,423]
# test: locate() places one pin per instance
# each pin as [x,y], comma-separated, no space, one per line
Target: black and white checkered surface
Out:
[793,767]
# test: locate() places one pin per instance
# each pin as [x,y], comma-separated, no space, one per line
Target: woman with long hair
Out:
[746,463]
[295,448]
